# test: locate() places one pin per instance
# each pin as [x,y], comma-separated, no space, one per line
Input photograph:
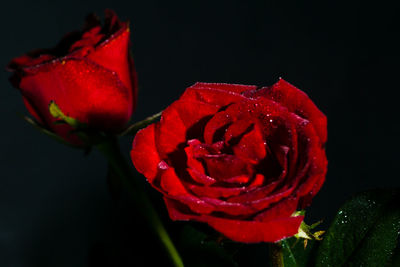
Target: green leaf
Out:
[295,253]
[364,231]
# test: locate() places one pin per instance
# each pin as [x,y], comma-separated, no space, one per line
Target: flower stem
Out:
[276,254]
[117,161]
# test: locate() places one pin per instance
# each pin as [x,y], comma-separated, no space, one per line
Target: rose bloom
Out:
[240,158]
[90,75]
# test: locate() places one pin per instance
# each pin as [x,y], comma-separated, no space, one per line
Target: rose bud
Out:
[240,158]
[90,76]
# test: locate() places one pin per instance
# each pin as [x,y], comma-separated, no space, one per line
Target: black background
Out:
[55,209]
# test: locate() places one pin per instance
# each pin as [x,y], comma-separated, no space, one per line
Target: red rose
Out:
[239,158]
[90,75]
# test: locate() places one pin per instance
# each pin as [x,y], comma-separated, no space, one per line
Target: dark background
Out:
[55,208]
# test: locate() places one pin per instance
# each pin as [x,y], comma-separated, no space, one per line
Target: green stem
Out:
[276,254]
[134,128]
[117,161]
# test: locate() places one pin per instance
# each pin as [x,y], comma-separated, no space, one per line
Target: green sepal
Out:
[134,128]
[56,112]
[305,231]
[89,138]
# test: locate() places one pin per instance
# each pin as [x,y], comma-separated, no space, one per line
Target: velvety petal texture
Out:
[89,75]
[238,158]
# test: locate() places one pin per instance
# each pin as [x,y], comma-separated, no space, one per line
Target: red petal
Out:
[173,188]
[178,121]
[251,147]
[113,54]
[262,193]
[253,231]
[216,191]
[312,164]
[305,200]
[199,150]
[315,177]
[258,181]
[282,209]
[172,131]
[220,121]
[171,184]
[237,129]
[200,177]
[222,167]
[27,61]
[229,208]
[196,169]
[214,96]
[229,88]
[242,231]
[87,41]
[82,89]
[144,153]
[241,179]
[298,102]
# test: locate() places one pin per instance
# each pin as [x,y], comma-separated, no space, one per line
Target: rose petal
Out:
[171,131]
[171,184]
[173,187]
[282,209]
[218,123]
[144,152]
[296,101]
[28,61]
[216,191]
[88,40]
[251,147]
[214,96]
[254,232]
[237,129]
[315,177]
[234,209]
[227,87]
[178,120]
[199,150]
[258,181]
[222,167]
[240,230]
[241,179]
[200,177]
[312,165]
[113,54]
[85,91]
